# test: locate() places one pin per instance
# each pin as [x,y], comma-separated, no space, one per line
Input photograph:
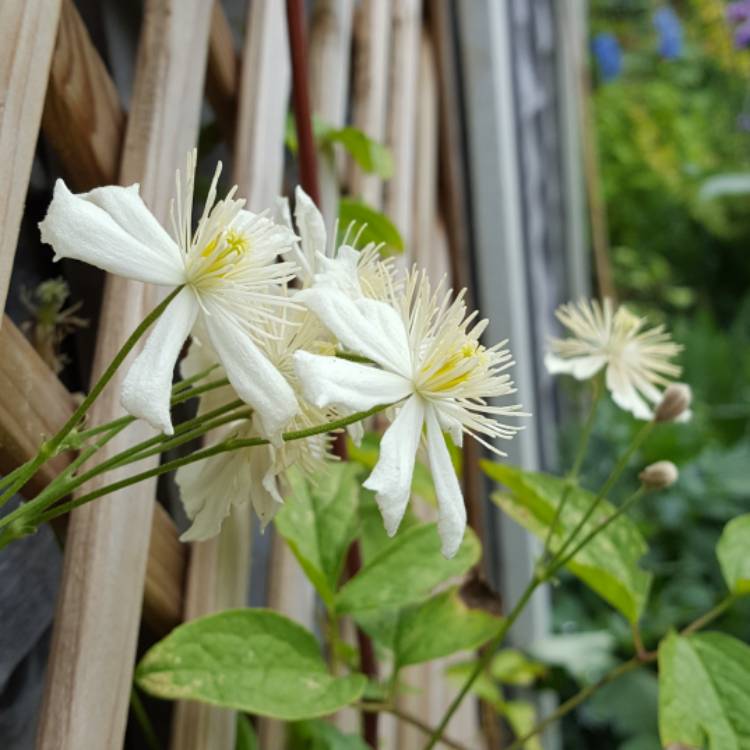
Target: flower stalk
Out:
[18,524]
[52,447]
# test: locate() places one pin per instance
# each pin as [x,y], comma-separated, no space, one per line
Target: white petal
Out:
[76,227]
[356,432]
[332,381]
[126,207]
[370,328]
[210,488]
[264,490]
[392,475]
[147,387]
[451,508]
[311,227]
[200,357]
[255,379]
[581,368]
[340,273]
[625,395]
[451,425]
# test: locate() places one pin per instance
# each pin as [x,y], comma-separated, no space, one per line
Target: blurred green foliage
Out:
[664,128]
[668,132]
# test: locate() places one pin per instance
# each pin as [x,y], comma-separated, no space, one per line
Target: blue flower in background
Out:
[669,28]
[608,55]
[739,13]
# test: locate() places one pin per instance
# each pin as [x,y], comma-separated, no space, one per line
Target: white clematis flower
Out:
[357,272]
[427,357]
[636,360]
[230,277]
[209,489]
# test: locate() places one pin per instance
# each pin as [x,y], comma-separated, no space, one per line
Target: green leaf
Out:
[704,684]
[370,155]
[321,129]
[732,551]
[484,687]
[440,626]
[376,227]
[521,716]
[609,563]
[406,570]
[319,522]
[511,667]
[246,738]
[587,655]
[251,660]
[320,735]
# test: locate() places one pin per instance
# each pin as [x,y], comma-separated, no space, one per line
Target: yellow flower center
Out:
[218,256]
[455,369]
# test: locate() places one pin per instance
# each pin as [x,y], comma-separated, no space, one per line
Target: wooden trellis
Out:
[123,561]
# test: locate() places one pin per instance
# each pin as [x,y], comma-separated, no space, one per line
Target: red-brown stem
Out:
[367,662]
[308,166]
[308,174]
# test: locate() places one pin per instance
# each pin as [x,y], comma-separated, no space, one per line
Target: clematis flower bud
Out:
[659,475]
[675,403]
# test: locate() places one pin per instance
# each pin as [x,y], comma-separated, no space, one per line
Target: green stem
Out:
[710,616]
[373,707]
[483,661]
[189,393]
[566,707]
[51,447]
[561,562]
[644,657]
[180,392]
[63,486]
[139,711]
[187,382]
[352,357]
[572,475]
[636,443]
[231,444]
[13,475]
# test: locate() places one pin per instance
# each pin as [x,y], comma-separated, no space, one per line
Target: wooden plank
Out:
[91,662]
[84,123]
[427,253]
[218,576]
[83,120]
[329,54]
[222,72]
[402,115]
[27,37]
[372,34]
[35,405]
[264,87]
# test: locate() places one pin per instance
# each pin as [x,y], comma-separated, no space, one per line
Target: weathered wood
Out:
[264,88]
[402,115]
[219,571]
[83,120]
[27,38]
[427,253]
[35,405]
[222,72]
[328,59]
[93,650]
[372,34]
